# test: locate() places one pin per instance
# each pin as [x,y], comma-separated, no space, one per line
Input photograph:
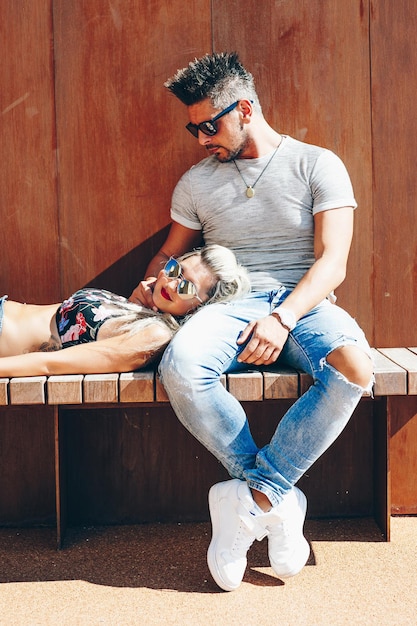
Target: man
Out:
[286,209]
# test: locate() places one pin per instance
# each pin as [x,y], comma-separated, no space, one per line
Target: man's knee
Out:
[170,362]
[178,363]
[353,363]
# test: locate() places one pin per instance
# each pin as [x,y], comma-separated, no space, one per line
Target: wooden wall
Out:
[91,144]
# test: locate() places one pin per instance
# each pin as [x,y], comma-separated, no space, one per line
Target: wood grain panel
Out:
[137,465]
[29,269]
[27,490]
[121,137]
[394,131]
[403,455]
[313,82]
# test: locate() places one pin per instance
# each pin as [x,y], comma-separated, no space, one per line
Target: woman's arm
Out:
[122,353]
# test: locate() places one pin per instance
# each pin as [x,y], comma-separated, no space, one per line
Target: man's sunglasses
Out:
[210,127]
[185,288]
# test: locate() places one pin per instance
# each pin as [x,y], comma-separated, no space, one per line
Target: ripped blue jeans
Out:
[205,347]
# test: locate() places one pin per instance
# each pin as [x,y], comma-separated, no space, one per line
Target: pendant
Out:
[250,192]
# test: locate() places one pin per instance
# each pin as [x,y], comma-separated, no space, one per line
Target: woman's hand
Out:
[143,294]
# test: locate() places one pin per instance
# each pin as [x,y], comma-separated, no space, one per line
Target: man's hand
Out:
[266,338]
[143,294]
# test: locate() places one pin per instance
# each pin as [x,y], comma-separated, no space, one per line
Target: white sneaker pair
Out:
[236,524]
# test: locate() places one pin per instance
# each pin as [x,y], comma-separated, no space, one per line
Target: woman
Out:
[95,331]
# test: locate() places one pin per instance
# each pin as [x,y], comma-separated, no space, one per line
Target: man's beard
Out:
[231,155]
[235,153]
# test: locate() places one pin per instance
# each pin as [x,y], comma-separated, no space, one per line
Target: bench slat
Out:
[4,383]
[282,383]
[305,382]
[395,374]
[390,378]
[406,359]
[101,388]
[246,386]
[27,390]
[136,387]
[66,389]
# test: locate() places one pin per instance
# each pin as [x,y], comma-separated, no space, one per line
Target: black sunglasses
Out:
[210,127]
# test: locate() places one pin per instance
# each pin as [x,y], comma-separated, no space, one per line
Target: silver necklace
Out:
[250,189]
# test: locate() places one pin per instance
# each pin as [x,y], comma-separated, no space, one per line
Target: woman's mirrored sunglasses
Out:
[210,127]
[185,288]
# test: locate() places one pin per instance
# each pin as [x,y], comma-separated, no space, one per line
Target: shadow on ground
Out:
[155,556]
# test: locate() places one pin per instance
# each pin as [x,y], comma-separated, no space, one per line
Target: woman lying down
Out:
[95,331]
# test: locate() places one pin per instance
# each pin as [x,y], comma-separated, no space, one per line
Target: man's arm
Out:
[180,240]
[333,232]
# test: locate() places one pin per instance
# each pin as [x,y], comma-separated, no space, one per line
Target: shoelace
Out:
[249,530]
[243,540]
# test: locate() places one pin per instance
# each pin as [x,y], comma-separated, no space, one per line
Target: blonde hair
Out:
[231,282]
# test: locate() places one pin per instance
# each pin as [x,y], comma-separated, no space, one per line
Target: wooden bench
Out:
[395,375]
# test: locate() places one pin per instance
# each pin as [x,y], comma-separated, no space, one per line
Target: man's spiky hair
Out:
[220,77]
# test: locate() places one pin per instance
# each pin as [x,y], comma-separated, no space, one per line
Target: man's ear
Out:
[246,110]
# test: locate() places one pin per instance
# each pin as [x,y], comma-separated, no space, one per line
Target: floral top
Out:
[80,317]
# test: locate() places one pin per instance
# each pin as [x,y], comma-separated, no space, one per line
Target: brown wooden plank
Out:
[390,378]
[65,389]
[4,383]
[276,41]
[160,393]
[406,359]
[106,59]
[60,475]
[101,388]
[136,387]
[27,466]
[29,234]
[403,454]
[382,465]
[281,383]
[27,390]
[394,59]
[305,382]
[246,386]
[135,464]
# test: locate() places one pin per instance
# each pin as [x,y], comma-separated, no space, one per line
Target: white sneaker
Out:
[235,528]
[288,549]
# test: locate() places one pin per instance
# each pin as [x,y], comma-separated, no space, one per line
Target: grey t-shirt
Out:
[272,234]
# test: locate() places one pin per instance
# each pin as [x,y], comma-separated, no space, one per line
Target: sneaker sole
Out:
[211,552]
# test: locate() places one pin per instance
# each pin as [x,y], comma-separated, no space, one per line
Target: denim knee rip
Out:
[350,341]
